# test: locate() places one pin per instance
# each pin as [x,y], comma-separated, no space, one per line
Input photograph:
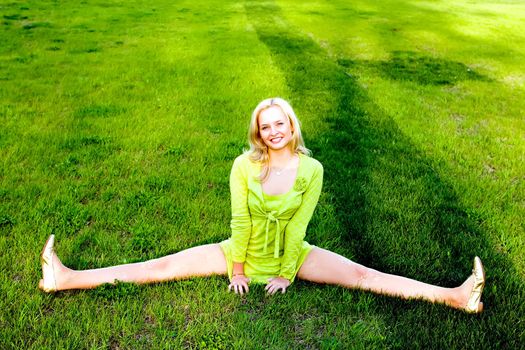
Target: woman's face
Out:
[275,128]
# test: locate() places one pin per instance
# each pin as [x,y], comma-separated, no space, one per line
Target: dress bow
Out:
[270,217]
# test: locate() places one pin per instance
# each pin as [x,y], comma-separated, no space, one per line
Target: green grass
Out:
[120,122]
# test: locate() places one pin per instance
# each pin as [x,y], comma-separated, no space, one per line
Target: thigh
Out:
[204,260]
[324,266]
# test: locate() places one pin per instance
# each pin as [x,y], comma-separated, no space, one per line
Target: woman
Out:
[274,187]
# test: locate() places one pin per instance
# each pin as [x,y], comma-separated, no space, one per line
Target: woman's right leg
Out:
[205,260]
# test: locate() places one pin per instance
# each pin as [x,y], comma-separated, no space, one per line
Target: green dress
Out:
[268,231]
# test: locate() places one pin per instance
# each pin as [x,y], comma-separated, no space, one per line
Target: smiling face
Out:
[275,128]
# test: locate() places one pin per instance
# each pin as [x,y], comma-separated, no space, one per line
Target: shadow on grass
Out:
[394,212]
[424,70]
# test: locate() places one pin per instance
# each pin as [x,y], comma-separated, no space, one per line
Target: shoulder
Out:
[243,160]
[313,165]
[243,164]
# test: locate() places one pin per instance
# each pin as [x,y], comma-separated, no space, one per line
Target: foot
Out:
[51,267]
[469,293]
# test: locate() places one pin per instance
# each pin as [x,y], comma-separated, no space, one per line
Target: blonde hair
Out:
[258,151]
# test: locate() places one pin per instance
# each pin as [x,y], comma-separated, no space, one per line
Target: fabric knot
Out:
[271,217]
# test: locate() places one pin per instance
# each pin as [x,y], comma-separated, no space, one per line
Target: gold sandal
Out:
[474,300]
[48,271]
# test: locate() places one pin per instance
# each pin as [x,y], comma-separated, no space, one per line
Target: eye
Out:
[264,128]
[280,123]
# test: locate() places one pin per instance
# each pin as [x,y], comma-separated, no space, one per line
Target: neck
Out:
[281,158]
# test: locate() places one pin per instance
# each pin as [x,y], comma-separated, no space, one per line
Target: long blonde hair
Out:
[258,150]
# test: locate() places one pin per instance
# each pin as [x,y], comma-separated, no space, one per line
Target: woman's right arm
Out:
[241,223]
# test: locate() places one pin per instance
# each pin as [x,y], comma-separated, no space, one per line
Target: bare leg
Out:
[323,266]
[203,260]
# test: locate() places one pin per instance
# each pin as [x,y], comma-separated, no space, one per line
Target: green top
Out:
[272,227]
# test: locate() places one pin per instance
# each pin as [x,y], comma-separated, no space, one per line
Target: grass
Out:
[120,122]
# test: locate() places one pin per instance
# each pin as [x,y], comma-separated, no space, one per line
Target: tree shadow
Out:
[424,70]
[394,212]
[395,20]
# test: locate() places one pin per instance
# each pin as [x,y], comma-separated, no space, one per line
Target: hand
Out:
[276,283]
[239,284]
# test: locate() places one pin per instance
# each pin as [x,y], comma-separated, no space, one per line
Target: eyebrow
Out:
[277,121]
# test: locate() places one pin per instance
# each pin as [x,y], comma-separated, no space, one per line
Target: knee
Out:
[362,275]
[158,269]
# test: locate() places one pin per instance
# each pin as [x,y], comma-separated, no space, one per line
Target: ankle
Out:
[460,295]
[63,274]
[457,298]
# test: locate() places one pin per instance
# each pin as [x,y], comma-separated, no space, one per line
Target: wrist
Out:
[238,269]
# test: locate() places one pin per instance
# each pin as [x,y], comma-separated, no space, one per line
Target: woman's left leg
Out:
[324,266]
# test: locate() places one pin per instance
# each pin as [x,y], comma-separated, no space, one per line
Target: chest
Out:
[279,183]
[286,200]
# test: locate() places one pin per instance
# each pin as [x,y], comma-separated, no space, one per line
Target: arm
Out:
[241,222]
[241,225]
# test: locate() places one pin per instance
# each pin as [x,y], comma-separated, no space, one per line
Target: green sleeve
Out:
[296,228]
[241,223]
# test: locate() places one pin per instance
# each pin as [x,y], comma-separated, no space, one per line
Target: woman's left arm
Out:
[296,228]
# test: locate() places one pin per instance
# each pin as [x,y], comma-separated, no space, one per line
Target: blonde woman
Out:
[274,187]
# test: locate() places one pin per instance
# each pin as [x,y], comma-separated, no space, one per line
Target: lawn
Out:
[121,120]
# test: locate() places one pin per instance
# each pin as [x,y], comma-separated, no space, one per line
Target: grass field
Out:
[121,119]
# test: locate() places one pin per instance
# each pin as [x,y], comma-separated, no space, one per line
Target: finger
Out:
[268,286]
[241,290]
[246,287]
[230,287]
[271,290]
[236,287]
[276,289]
[284,290]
